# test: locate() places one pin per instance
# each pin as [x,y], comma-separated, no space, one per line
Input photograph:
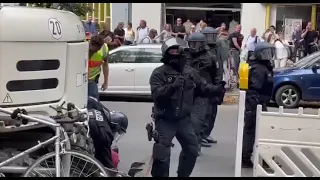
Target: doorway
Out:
[212,13]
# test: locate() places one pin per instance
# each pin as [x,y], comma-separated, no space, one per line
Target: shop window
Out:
[290,15]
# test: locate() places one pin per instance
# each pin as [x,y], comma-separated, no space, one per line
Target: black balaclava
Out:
[174,60]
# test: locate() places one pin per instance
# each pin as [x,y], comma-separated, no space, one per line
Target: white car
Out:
[130,68]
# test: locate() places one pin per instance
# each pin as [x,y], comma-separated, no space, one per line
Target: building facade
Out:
[286,16]
[253,15]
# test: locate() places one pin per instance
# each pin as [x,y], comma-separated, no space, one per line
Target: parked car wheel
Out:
[288,96]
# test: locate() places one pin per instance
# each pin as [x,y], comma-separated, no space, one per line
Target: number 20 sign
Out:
[55,28]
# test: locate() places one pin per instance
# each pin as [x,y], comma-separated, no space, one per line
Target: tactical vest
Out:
[96,61]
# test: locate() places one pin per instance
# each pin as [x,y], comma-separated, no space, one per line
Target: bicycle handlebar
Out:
[21,114]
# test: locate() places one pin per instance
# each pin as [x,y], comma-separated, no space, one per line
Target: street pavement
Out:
[217,161]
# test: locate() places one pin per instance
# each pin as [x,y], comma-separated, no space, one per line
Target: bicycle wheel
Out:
[81,165]
[234,77]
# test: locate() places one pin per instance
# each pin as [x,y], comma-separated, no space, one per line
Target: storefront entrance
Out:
[288,16]
[212,13]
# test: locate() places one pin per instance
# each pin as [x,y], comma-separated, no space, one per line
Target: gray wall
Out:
[120,13]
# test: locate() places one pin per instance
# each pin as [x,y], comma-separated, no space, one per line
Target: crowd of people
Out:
[302,42]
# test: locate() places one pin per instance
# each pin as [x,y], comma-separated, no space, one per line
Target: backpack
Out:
[150,40]
[256,39]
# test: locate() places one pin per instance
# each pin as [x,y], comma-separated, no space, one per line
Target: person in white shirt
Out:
[129,34]
[150,38]
[142,31]
[165,34]
[281,52]
[188,25]
[270,35]
[252,41]
[198,25]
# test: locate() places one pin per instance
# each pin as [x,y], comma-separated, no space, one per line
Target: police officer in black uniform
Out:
[216,75]
[202,62]
[172,88]
[259,92]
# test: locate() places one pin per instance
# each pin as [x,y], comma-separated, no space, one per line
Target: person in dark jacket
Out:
[202,61]
[172,88]
[215,74]
[100,132]
[259,92]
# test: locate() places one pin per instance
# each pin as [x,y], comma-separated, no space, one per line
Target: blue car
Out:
[299,82]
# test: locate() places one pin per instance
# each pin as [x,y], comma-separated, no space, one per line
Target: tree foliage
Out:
[80,9]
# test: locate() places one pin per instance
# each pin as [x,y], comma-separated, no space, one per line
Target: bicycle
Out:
[58,163]
[232,76]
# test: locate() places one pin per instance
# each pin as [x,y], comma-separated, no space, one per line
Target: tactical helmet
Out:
[263,51]
[120,121]
[172,43]
[119,124]
[210,34]
[197,41]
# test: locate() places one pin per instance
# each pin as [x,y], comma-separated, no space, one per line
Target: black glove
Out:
[214,89]
[178,82]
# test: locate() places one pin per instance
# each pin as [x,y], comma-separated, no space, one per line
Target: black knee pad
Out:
[161,152]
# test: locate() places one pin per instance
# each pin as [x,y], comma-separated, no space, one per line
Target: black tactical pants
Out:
[249,130]
[184,133]
[198,115]
[210,119]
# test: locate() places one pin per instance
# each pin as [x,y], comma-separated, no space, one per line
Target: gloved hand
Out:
[214,89]
[178,82]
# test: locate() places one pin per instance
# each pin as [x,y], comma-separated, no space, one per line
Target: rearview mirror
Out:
[315,67]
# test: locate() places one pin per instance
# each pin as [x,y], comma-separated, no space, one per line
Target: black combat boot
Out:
[211,140]
[204,143]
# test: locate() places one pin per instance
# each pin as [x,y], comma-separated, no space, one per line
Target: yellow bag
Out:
[244,76]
